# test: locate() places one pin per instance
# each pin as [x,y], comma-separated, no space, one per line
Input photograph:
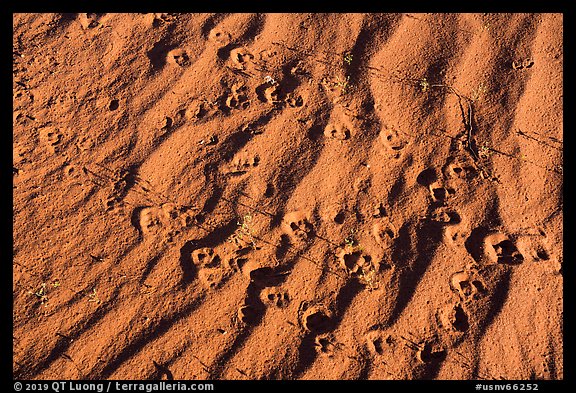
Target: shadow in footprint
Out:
[427,177]
[475,242]
[157,55]
[189,271]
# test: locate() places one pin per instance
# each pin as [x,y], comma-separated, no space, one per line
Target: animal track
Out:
[393,141]
[316,320]
[498,248]
[220,37]
[324,345]
[237,98]
[354,261]
[241,58]
[384,232]
[248,314]
[276,297]
[521,64]
[178,57]
[242,163]
[205,257]
[51,137]
[440,193]
[376,343]
[460,169]
[297,225]
[445,216]
[150,220]
[269,92]
[455,318]
[337,131]
[293,100]
[467,285]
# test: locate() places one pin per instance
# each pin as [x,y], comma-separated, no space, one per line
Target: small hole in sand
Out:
[114,104]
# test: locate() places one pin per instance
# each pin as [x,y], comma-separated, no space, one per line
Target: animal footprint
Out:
[460,169]
[51,137]
[324,345]
[518,65]
[240,58]
[178,57]
[445,216]
[276,297]
[242,163]
[467,285]
[205,257]
[316,320]
[237,97]
[297,225]
[393,141]
[293,100]
[248,315]
[150,220]
[440,193]
[498,248]
[269,92]
[384,232]
[337,131]
[354,261]
[219,37]
[211,277]
[376,343]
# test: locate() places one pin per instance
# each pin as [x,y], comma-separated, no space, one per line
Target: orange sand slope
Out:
[287,196]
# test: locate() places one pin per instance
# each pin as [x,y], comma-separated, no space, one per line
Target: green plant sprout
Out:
[424,84]
[41,294]
[484,151]
[348,58]
[344,85]
[244,228]
[480,91]
[93,297]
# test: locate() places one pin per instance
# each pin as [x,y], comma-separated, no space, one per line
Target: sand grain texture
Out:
[287,196]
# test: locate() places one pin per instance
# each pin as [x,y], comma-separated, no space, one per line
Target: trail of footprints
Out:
[216,265]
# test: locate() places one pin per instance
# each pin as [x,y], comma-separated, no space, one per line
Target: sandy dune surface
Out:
[287,196]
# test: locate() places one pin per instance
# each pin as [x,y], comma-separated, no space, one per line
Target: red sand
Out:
[275,196]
